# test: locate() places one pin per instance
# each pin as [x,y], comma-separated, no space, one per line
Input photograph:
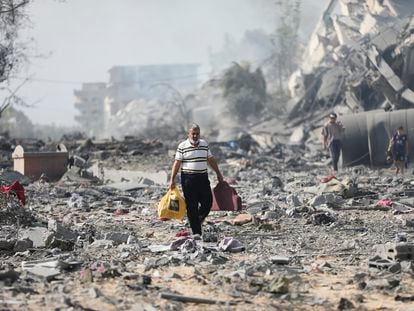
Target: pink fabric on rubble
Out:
[384,203]
[327,179]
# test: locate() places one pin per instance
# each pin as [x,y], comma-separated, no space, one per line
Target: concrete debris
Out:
[396,251]
[357,63]
[23,245]
[38,235]
[117,237]
[279,285]
[328,198]
[96,241]
[42,273]
[322,219]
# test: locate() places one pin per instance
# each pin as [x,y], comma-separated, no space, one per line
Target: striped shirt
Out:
[193,158]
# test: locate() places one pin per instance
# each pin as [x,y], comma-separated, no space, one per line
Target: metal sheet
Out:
[367,135]
[379,132]
[355,144]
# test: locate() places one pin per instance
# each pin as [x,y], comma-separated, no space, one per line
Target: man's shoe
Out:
[197,236]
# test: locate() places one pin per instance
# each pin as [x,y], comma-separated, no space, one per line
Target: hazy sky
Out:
[84,38]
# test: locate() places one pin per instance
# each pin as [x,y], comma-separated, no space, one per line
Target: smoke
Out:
[86,38]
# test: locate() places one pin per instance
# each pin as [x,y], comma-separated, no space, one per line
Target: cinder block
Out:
[397,251]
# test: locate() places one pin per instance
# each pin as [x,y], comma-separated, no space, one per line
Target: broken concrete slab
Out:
[101,244]
[42,273]
[23,245]
[396,251]
[7,244]
[118,176]
[117,237]
[39,235]
[126,186]
[326,198]
[60,231]
[280,260]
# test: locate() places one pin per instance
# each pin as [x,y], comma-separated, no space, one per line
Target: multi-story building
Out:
[98,102]
[89,101]
[127,83]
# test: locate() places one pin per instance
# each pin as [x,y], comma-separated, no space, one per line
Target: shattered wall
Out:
[360,57]
[148,119]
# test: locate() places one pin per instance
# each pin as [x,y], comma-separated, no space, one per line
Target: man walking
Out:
[192,157]
[332,134]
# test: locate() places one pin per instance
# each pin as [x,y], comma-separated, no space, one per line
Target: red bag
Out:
[225,198]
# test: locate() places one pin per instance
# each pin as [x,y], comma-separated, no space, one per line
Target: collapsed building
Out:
[360,58]
[94,241]
[102,104]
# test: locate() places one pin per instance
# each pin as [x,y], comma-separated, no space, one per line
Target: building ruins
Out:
[98,103]
[360,56]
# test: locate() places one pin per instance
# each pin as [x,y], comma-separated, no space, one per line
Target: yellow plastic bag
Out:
[172,205]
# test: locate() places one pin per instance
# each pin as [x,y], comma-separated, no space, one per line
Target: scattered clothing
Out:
[384,203]
[17,189]
[327,179]
[182,233]
[189,246]
[231,245]
[176,245]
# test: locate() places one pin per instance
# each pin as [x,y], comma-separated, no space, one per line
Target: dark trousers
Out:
[198,198]
[335,150]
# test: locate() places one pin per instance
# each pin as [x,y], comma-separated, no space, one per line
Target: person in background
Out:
[399,148]
[332,133]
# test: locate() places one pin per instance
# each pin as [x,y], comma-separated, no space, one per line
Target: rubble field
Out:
[303,240]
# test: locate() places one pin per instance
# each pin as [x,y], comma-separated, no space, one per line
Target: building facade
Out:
[89,101]
[99,102]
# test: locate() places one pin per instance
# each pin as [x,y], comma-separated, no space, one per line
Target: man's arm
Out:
[176,166]
[390,144]
[324,138]
[213,163]
[325,142]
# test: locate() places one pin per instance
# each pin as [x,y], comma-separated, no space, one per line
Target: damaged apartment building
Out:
[360,57]
[102,104]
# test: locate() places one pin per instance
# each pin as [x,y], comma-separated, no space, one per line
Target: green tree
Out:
[245,91]
[285,41]
[12,16]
